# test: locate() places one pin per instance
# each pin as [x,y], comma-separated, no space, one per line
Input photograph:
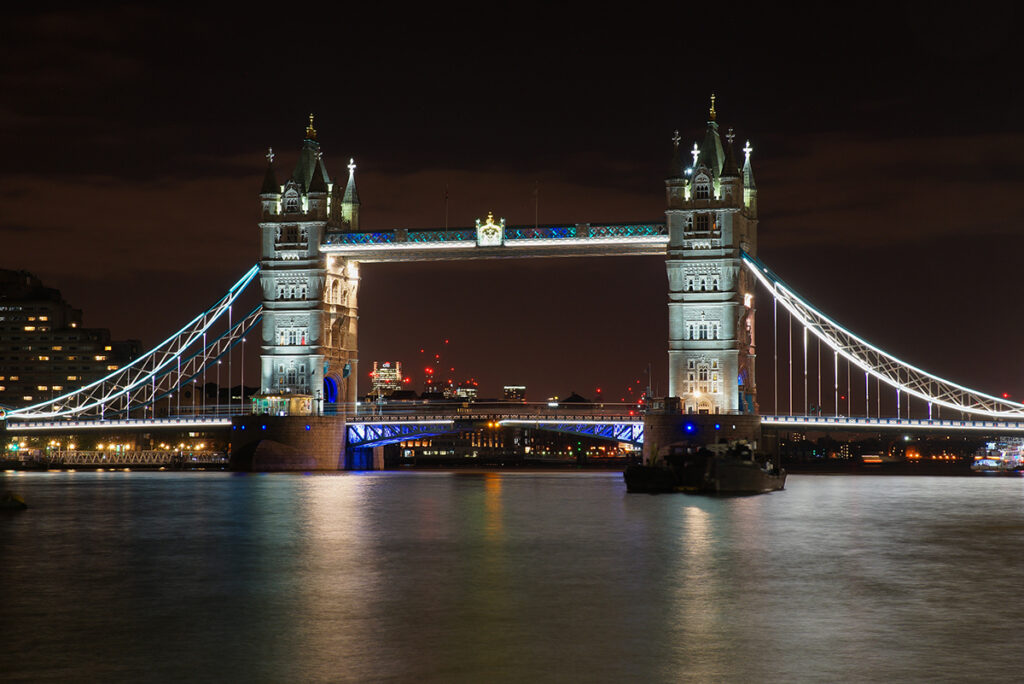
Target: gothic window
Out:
[702,188]
[302,292]
[291,375]
[702,223]
[291,202]
[689,283]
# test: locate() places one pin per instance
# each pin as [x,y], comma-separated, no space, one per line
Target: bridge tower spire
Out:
[711,297]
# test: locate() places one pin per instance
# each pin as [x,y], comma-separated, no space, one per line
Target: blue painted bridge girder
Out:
[382,432]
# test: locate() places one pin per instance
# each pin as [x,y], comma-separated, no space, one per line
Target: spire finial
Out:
[310,131]
[747,149]
[676,139]
[730,136]
[712,113]
[270,155]
[351,166]
[696,153]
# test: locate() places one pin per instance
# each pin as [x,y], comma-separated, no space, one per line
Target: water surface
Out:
[507,577]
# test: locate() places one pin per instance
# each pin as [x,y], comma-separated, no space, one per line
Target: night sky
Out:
[888,153]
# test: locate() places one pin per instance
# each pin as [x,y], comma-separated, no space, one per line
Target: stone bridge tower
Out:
[712,217]
[309,344]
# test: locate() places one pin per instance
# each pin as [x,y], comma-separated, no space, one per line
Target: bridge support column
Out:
[263,443]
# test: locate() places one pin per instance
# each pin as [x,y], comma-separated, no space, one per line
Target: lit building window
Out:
[29,328]
[44,318]
[100,357]
[44,358]
[57,387]
[57,348]
[72,377]
[108,348]
[112,367]
[41,388]
[27,397]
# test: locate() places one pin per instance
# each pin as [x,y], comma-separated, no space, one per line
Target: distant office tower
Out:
[44,350]
[515,392]
[467,390]
[386,378]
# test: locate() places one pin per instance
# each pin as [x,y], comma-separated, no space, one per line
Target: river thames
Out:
[508,577]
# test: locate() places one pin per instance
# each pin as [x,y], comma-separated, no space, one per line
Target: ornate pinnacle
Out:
[747,149]
[696,153]
[730,136]
[310,131]
[351,166]
[270,155]
[711,113]
[676,139]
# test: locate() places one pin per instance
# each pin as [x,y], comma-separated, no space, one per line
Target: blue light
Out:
[307,428]
[263,427]
[718,426]
[243,427]
[690,427]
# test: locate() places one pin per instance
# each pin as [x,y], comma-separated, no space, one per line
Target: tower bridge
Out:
[311,248]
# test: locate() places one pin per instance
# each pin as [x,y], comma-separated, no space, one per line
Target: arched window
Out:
[702,187]
[291,202]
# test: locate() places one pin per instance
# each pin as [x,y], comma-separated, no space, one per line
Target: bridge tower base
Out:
[665,424]
[262,443]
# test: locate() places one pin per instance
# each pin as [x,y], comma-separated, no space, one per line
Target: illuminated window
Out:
[27,397]
[44,358]
[29,328]
[57,387]
[57,348]
[72,377]
[31,318]
[108,348]
[14,378]
[100,357]
[41,388]
[74,325]
[44,318]
[112,367]
[72,358]
[2,388]
[702,188]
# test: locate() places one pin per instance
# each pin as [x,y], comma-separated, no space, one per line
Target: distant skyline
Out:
[888,152]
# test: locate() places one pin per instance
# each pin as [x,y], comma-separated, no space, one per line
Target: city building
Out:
[467,390]
[515,392]
[386,378]
[44,350]
[712,220]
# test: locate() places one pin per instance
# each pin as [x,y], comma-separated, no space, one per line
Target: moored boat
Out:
[734,470]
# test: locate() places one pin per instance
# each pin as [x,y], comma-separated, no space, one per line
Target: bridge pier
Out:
[665,424]
[263,443]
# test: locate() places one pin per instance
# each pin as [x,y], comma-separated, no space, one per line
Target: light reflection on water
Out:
[507,577]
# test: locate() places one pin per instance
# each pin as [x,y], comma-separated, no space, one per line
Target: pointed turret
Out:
[317,195]
[748,171]
[710,154]
[350,202]
[309,160]
[729,169]
[270,193]
[749,187]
